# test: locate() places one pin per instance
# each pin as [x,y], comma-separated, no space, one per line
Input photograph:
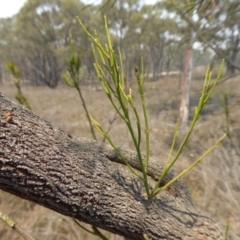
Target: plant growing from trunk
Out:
[20,97]
[109,64]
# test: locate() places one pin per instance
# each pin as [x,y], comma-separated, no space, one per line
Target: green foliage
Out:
[207,91]
[224,101]
[121,99]
[72,78]
[12,68]
[146,237]
[227,230]
[108,63]
[20,97]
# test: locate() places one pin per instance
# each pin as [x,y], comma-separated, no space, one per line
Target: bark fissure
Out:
[86,180]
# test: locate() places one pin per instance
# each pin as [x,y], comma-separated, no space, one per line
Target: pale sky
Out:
[8,8]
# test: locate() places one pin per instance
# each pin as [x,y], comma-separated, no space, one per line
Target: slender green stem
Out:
[121,97]
[137,121]
[98,233]
[84,228]
[86,112]
[140,159]
[10,222]
[95,231]
[93,39]
[219,76]
[122,69]
[204,96]
[227,231]
[141,90]
[166,165]
[146,237]
[191,166]
[99,128]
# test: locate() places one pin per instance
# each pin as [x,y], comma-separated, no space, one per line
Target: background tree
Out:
[37,38]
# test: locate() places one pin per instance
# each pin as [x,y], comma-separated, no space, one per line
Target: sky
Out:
[8,8]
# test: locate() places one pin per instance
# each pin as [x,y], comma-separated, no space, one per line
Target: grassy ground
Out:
[214,184]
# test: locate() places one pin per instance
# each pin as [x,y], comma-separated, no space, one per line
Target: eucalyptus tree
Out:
[42,31]
[219,30]
[160,36]
[125,19]
[37,38]
[183,13]
[141,31]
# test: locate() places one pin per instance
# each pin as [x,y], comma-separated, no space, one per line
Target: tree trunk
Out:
[233,55]
[186,83]
[86,180]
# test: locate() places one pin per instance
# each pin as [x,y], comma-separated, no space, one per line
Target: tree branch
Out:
[86,180]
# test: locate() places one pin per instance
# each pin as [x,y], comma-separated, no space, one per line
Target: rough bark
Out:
[86,180]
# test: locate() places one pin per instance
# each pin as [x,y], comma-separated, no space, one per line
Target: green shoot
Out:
[227,230]
[108,64]
[20,97]
[121,98]
[72,78]
[94,231]
[146,237]
[206,93]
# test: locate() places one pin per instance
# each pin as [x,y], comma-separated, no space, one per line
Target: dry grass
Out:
[214,184]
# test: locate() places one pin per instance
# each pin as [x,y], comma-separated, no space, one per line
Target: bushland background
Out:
[37,41]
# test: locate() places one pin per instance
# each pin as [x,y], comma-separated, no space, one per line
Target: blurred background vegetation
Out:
[37,38]
[170,35]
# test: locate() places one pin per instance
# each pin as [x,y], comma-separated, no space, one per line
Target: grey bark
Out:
[86,180]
